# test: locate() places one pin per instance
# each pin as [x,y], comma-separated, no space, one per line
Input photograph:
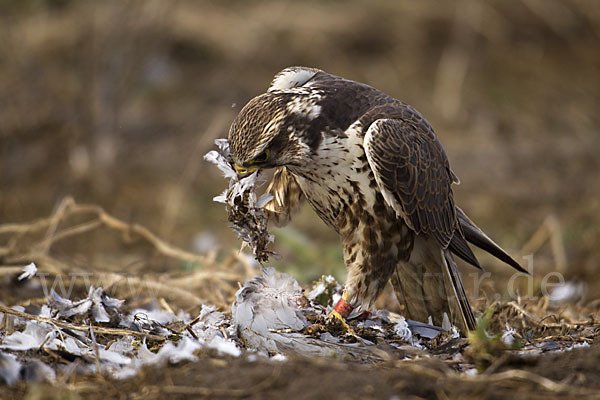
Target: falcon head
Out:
[274,129]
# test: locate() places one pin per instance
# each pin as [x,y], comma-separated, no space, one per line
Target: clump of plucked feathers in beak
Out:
[244,207]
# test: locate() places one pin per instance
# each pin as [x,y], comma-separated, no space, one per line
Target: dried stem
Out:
[82,328]
[67,208]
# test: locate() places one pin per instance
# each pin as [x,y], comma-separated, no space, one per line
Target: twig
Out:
[157,288]
[526,313]
[540,321]
[96,354]
[191,323]
[166,306]
[81,328]
[159,244]
[191,332]
[69,207]
[76,230]
[201,276]
[55,219]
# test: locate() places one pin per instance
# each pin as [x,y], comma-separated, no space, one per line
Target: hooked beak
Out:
[244,170]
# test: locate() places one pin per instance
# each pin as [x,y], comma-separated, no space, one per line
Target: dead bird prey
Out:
[244,209]
[373,169]
[272,314]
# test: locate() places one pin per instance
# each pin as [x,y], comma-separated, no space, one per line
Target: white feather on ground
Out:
[28,272]
[123,357]
[270,313]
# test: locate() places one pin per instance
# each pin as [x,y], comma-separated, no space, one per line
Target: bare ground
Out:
[567,375]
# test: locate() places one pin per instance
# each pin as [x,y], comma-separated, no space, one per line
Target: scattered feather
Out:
[97,302]
[9,368]
[224,346]
[567,292]
[182,351]
[401,329]
[113,357]
[33,337]
[279,357]
[29,272]
[508,336]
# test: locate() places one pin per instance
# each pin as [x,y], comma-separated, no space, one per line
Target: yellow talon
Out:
[336,315]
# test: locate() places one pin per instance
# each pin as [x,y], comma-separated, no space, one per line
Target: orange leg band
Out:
[343,307]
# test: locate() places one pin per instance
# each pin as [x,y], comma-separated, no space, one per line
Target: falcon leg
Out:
[341,311]
[343,308]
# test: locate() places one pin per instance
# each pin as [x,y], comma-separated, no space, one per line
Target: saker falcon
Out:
[373,169]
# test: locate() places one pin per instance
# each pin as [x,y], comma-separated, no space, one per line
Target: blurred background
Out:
[116,102]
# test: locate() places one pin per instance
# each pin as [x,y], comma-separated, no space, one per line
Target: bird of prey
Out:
[373,169]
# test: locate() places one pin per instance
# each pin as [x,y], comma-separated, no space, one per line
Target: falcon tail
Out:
[429,286]
[477,237]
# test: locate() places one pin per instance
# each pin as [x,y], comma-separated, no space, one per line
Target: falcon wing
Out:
[413,173]
[414,176]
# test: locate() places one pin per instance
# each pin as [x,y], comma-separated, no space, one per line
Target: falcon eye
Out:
[262,157]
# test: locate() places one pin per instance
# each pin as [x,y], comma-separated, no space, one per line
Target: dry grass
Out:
[210,282]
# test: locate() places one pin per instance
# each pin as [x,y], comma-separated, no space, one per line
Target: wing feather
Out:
[408,161]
